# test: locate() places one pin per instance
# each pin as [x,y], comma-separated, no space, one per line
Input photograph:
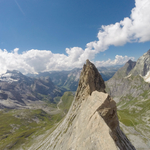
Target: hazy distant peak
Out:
[14,72]
[11,75]
[130,61]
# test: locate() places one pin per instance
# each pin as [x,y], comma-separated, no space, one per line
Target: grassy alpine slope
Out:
[19,127]
[135,116]
[136,112]
[67,99]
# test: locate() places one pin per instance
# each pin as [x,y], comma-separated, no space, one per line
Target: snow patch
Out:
[128,76]
[7,77]
[147,77]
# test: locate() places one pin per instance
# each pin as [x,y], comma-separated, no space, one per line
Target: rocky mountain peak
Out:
[129,66]
[90,80]
[124,71]
[142,66]
[130,62]
[13,71]
[148,52]
[92,121]
[11,76]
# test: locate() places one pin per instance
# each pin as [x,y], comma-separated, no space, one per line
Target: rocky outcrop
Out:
[90,80]
[108,112]
[92,121]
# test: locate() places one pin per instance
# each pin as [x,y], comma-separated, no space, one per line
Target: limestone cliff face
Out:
[92,121]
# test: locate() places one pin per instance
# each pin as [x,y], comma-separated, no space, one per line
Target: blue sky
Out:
[34,34]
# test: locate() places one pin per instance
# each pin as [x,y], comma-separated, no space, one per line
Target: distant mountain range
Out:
[21,91]
[18,90]
[69,79]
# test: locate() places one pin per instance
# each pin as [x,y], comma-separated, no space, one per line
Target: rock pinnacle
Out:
[90,80]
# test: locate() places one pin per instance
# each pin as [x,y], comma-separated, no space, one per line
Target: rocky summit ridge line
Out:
[92,121]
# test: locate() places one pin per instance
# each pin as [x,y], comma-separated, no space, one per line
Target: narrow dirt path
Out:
[59,104]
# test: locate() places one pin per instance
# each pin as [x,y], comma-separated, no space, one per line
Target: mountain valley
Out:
[68,80]
[20,126]
[28,108]
[20,91]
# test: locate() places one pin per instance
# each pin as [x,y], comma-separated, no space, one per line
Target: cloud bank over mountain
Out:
[34,61]
[131,29]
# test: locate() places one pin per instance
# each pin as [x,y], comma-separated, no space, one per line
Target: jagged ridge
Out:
[92,121]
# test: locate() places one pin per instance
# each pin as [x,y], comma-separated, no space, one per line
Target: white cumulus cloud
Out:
[119,60]
[34,61]
[135,28]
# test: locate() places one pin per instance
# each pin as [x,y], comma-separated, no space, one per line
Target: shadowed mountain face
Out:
[16,89]
[92,121]
[124,71]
